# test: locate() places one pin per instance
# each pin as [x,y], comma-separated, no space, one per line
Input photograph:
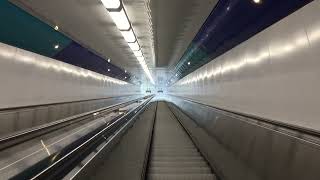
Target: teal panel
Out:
[20,29]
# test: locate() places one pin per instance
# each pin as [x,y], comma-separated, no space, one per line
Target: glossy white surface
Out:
[27,79]
[274,75]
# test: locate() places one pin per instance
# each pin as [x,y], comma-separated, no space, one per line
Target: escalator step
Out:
[173,155]
[180,170]
[181,177]
[178,164]
[174,147]
[177,158]
[189,154]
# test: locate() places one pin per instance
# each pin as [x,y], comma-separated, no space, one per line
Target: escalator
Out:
[173,155]
[156,141]
[155,146]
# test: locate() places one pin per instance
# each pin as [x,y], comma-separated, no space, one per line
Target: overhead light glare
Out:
[257,1]
[134,46]
[111,4]
[56,28]
[120,19]
[129,36]
[137,53]
[189,63]
[56,46]
[109,60]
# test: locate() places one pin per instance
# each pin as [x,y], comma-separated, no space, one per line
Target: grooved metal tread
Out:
[181,177]
[173,154]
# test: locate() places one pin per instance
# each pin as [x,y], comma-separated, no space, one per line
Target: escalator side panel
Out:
[126,159]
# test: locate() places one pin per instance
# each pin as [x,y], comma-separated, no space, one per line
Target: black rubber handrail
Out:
[109,143]
[244,117]
[28,134]
[148,154]
[60,103]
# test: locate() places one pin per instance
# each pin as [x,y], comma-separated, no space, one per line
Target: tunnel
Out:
[160,89]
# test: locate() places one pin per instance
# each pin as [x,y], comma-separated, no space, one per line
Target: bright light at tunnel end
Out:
[120,18]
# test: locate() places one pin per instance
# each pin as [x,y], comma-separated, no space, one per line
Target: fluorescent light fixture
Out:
[146,70]
[119,16]
[120,19]
[111,4]
[140,59]
[129,36]
[144,66]
[137,53]
[134,46]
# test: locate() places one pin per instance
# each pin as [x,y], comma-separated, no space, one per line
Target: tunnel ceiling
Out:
[171,32]
[27,32]
[87,23]
[164,28]
[176,22]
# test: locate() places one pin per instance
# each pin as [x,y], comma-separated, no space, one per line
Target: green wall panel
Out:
[20,29]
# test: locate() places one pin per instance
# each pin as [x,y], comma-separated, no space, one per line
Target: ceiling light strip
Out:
[148,9]
[134,46]
[120,18]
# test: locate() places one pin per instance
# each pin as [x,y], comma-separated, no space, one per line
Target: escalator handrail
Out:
[68,157]
[248,117]
[25,135]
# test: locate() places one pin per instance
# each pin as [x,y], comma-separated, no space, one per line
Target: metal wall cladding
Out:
[21,119]
[28,79]
[274,75]
[243,148]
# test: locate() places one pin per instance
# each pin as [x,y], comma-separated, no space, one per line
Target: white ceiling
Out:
[176,22]
[164,28]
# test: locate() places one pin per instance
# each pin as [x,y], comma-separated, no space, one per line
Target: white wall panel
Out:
[273,75]
[27,79]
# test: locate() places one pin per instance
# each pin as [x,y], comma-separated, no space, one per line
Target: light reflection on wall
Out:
[278,50]
[43,62]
